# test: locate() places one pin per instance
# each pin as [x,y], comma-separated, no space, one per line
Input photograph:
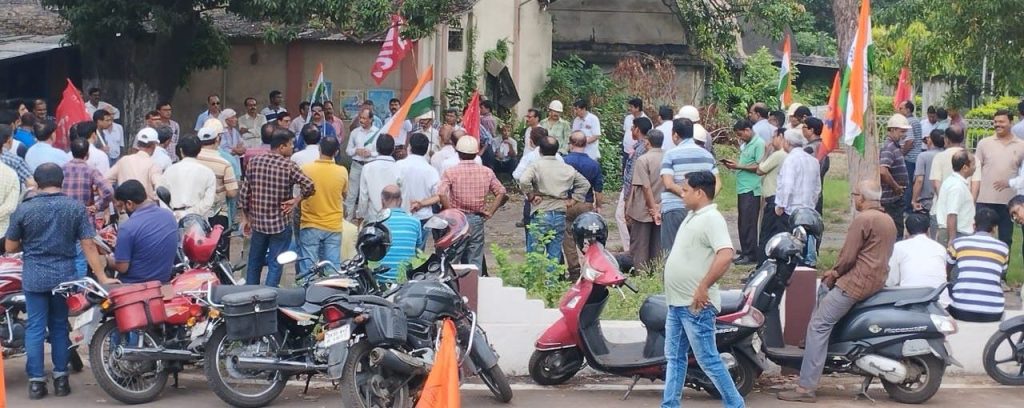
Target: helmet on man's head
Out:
[809,219]
[373,241]
[589,226]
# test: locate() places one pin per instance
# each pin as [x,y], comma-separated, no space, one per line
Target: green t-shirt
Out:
[702,234]
[748,181]
[771,166]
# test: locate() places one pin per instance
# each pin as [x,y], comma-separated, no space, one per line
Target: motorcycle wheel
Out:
[496,380]
[744,376]
[242,388]
[554,367]
[365,386]
[996,358]
[131,382]
[925,377]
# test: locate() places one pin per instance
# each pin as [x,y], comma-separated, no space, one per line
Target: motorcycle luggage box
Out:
[250,315]
[138,305]
[387,325]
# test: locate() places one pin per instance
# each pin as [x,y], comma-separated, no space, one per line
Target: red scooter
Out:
[576,339]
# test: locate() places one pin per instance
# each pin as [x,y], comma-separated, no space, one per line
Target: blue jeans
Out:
[263,251]
[545,223]
[47,313]
[318,245]
[81,266]
[683,331]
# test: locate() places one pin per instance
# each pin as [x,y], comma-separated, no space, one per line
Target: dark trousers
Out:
[895,211]
[644,243]
[1005,224]
[748,207]
[771,224]
[224,246]
[569,250]
[908,194]
[670,222]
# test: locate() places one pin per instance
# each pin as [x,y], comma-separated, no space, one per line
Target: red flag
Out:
[471,117]
[833,122]
[392,52]
[902,89]
[70,111]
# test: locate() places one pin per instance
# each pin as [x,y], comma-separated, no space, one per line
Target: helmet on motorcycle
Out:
[809,219]
[373,241]
[589,226]
[452,223]
[199,241]
[782,246]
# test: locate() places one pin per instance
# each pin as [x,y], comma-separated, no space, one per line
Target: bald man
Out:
[860,272]
[406,234]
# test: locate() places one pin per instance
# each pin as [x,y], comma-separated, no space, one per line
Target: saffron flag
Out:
[419,101]
[70,111]
[903,88]
[319,93]
[855,92]
[833,121]
[471,117]
[785,76]
[391,52]
[442,387]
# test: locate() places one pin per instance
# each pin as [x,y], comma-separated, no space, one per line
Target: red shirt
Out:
[467,185]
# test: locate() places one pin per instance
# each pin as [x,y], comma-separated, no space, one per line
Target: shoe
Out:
[62,386]
[798,395]
[36,390]
[1006,288]
[743,261]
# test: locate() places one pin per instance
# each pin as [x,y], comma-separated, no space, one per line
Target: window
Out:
[455,39]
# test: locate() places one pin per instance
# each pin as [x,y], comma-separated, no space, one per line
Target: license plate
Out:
[335,336]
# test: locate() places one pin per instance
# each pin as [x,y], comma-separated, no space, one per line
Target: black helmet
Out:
[809,219]
[587,227]
[373,241]
[782,246]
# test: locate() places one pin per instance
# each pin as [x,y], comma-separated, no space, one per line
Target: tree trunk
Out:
[863,167]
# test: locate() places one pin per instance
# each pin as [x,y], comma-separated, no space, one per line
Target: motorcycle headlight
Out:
[591,274]
[753,318]
[944,324]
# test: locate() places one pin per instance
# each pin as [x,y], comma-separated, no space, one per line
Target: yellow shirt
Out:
[324,210]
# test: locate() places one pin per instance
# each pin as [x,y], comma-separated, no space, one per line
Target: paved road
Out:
[195,394]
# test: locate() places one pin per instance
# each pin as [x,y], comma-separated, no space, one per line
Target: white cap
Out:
[428,115]
[214,124]
[555,105]
[699,133]
[468,145]
[207,134]
[226,114]
[147,135]
[689,112]
[898,121]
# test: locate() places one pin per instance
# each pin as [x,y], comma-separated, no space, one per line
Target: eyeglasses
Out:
[214,103]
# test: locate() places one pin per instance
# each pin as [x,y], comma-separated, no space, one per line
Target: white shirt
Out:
[1018,129]
[927,127]
[105,106]
[799,181]
[297,123]
[115,140]
[666,129]
[98,160]
[161,158]
[193,188]
[590,125]
[441,156]
[529,158]
[918,261]
[431,134]
[358,138]
[955,198]
[765,131]
[419,181]
[308,155]
[627,131]
[376,175]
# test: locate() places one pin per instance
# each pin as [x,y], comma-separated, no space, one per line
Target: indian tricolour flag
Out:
[855,82]
[419,101]
[785,76]
[319,93]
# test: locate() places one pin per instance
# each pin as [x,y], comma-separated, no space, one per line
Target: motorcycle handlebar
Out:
[630,286]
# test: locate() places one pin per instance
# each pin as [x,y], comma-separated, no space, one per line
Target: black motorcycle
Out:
[1004,353]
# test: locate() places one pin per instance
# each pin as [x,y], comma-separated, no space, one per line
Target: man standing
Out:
[643,212]
[112,133]
[692,271]
[334,121]
[192,184]
[771,223]
[998,158]
[377,174]
[557,127]
[488,121]
[425,126]
[590,125]
[323,214]
[954,207]
[97,159]
[529,157]
[81,181]
[43,151]
[665,114]
[591,171]
[812,129]
[547,183]
[94,103]
[860,272]
[11,159]
[267,205]
[762,129]
[406,235]
[465,187]
[231,140]
[362,149]
[798,184]
[139,166]
[165,110]
[533,121]
[634,110]
[250,123]
[918,261]
[924,191]
[225,178]
[274,108]
[930,122]
[419,179]
[299,120]
[893,171]
[212,111]
[161,158]
[911,145]
[748,190]
[311,138]
[676,164]
[942,164]
[148,241]
[641,128]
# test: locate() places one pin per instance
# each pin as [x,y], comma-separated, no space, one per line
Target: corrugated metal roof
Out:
[14,46]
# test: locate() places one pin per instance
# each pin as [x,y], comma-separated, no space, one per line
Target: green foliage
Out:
[813,92]
[460,90]
[711,25]
[989,109]
[756,81]
[499,52]
[538,274]
[815,43]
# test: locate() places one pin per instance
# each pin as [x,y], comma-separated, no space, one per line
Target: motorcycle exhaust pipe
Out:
[399,362]
[272,364]
[886,368]
[150,354]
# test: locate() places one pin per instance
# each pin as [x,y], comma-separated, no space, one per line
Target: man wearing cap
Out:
[161,157]
[465,187]
[139,166]
[665,115]
[700,135]
[634,109]
[226,179]
[212,111]
[231,140]
[893,171]
[557,127]
[362,148]
[425,126]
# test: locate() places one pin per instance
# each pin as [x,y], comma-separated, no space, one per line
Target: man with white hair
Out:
[798,184]
[231,140]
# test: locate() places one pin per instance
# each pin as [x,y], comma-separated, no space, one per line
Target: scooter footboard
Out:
[558,336]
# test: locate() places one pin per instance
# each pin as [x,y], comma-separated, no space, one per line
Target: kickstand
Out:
[175,385]
[308,378]
[636,379]
[864,390]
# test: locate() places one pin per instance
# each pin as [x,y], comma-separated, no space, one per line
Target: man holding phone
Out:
[748,189]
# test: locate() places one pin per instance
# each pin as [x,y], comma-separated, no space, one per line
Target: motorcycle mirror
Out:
[436,223]
[287,257]
[164,194]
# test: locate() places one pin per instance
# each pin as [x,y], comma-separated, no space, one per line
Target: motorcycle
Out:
[1003,356]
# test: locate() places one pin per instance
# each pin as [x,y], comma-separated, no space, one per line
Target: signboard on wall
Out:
[380,98]
[349,100]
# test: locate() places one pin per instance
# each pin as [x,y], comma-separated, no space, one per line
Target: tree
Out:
[861,167]
[141,51]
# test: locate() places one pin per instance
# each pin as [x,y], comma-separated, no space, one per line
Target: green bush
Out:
[538,274]
[987,110]
[756,81]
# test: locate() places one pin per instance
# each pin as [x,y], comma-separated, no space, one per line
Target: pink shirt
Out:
[138,166]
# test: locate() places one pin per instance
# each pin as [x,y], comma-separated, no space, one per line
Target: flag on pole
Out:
[391,52]
[319,93]
[471,117]
[419,101]
[442,387]
[833,121]
[785,75]
[70,111]
[855,82]
[904,89]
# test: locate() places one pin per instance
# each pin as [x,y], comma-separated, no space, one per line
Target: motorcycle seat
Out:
[288,297]
[320,294]
[655,308]
[889,296]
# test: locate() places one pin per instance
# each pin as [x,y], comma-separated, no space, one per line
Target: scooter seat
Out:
[288,297]
[655,308]
[890,296]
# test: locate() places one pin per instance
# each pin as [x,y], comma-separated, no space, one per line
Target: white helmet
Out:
[689,112]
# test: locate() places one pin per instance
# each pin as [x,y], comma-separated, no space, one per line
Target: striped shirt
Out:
[226,178]
[685,158]
[980,260]
[406,235]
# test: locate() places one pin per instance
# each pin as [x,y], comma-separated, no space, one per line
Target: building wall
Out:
[615,22]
